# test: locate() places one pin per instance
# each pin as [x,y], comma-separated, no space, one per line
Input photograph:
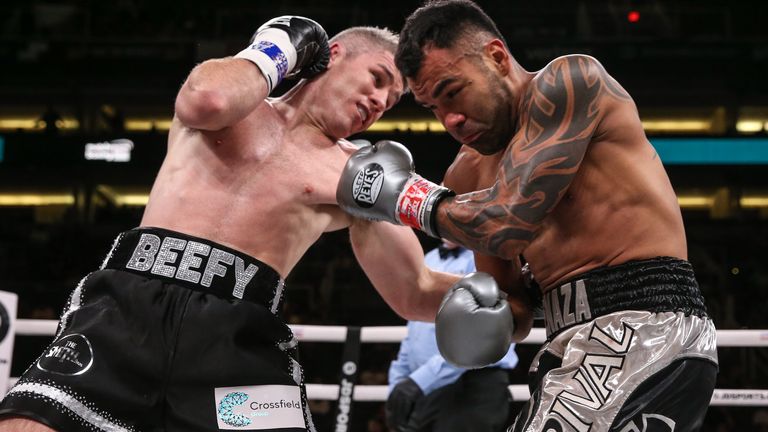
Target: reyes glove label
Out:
[367,185]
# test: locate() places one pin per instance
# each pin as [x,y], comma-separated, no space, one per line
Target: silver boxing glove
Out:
[378,183]
[474,324]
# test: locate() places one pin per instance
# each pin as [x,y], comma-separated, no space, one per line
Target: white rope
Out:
[394,334]
[519,392]
[35,327]
[742,338]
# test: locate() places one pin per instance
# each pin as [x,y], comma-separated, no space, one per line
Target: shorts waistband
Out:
[195,263]
[661,284]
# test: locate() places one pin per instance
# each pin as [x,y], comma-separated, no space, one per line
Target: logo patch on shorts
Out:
[70,355]
[367,185]
[259,407]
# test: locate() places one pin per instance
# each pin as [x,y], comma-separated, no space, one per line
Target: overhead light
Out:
[689,125]
[753,201]
[133,200]
[695,201]
[30,199]
[430,125]
[32,123]
[143,125]
[423,124]
[119,196]
[18,123]
[68,124]
[704,201]
[750,126]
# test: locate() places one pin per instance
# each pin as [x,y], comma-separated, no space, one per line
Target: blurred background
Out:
[86,98]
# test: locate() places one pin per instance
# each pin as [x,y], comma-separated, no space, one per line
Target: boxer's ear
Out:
[497,53]
[337,53]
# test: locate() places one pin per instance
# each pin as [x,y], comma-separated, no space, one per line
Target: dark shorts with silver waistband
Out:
[629,348]
[173,333]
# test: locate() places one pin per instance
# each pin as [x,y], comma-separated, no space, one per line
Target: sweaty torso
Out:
[619,207]
[259,186]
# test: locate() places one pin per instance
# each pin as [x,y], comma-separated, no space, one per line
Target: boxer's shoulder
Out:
[572,64]
[471,171]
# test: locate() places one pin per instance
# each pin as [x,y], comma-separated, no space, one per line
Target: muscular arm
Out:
[471,171]
[560,114]
[392,258]
[219,93]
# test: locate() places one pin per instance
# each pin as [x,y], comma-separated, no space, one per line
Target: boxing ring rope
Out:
[394,334]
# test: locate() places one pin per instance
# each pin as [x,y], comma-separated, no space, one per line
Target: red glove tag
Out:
[410,205]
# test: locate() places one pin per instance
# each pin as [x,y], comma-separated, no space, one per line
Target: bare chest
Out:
[307,177]
[289,167]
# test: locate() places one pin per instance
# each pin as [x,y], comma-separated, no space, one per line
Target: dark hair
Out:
[440,24]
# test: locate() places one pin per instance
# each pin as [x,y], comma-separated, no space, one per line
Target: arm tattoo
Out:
[559,115]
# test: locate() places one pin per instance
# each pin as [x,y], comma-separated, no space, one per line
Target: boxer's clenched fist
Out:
[474,324]
[378,183]
[288,46]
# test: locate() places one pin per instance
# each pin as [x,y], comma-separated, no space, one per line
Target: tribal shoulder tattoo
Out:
[559,115]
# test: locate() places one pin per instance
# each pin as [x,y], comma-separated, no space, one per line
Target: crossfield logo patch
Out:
[367,185]
[259,407]
[227,407]
[70,355]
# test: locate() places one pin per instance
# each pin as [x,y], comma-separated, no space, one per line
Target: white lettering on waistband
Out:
[191,260]
[566,305]
[214,267]
[158,256]
[144,255]
[242,276]
[167,255]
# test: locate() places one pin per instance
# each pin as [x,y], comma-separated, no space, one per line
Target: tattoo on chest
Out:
[559,116]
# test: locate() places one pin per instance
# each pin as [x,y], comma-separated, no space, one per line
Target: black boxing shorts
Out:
[173,333]
[629,348]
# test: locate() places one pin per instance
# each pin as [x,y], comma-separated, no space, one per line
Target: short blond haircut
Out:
[358,40]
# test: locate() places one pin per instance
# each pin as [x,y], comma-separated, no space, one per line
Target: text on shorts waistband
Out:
[196,264]
[661,284]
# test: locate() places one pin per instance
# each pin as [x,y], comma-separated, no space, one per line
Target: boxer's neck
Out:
[292,105]
[518,80]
